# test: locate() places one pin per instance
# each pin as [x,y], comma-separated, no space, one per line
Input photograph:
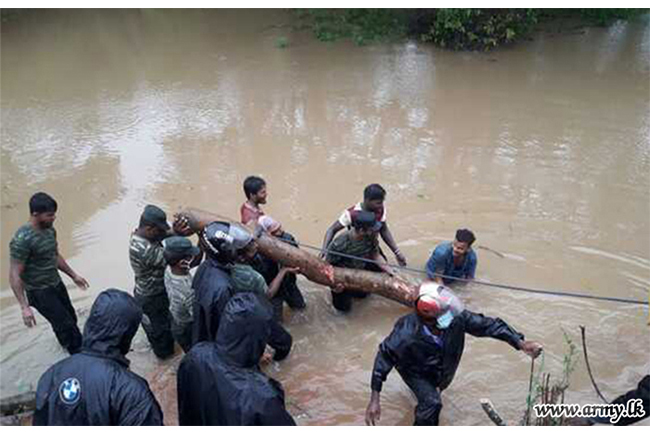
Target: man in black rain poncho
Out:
[214,286]
[426,346]
[95,387]
[220,383]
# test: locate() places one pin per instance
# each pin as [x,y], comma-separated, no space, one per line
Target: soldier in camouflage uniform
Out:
[34,276]
[148,263]
[360,242]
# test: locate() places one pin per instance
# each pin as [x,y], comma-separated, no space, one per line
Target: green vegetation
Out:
[463,29]
[281,42]
[458,29]
[546,392]
[7,15]
[361,25]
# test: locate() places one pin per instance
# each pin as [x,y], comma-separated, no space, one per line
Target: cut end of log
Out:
[491,412]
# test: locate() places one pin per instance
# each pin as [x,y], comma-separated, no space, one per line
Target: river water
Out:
[543,149]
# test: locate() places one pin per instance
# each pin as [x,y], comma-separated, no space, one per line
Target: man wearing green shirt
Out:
[358,242]
[146,255]
[246,279]
[34,276]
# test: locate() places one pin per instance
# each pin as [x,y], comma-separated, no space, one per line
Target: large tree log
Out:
[312,267]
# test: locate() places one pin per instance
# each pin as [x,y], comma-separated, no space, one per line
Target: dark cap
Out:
[180,246]
[363,220]
[153,215]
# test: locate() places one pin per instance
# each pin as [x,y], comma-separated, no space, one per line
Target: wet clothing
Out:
[157,322]
[364,248]
[428,365]
[38,251]
[343,301]
[347,215]
[248,212]
[642,392]
[442,262]
[148,265]
[54,304]
[180,294]
[181,305]
[212,290]
[220,383]
[288,291]
[182,333]
[247,279]
[95,387]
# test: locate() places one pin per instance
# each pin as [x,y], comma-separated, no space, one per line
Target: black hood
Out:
[244,330]
[112,324]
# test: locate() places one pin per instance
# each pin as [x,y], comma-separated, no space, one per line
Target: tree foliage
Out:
[453,28]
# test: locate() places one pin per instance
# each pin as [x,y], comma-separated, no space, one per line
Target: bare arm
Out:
[277,281]
[16,268]
[382,263]
[66,269]
[197,259]
[433,266]
[329,235]
[387,236]
[373,412]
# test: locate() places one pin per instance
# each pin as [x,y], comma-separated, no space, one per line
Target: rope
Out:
[483,282]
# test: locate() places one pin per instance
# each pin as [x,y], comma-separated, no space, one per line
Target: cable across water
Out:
[483,282]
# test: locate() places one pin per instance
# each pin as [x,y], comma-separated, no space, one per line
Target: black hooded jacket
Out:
[212,290]
[414,354]
[95,387]
[219,383]
[642,392]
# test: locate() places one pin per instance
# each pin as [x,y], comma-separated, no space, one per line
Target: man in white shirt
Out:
[373,201]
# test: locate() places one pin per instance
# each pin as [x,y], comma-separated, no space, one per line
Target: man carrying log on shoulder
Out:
[359,242]
[426,347]
[312,267]
[288,291]
[373,201]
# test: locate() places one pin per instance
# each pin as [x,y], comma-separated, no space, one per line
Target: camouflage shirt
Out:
[148,265]
[180,294]
[344,243]
[246,279]
[38,251]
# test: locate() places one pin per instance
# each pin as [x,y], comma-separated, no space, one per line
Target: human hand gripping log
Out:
[313,268]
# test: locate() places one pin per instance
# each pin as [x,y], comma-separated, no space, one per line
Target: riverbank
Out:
[456,29]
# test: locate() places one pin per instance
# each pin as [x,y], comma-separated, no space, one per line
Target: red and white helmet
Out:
[435,300]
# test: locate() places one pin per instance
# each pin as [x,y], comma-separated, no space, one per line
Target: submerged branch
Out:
[591,376]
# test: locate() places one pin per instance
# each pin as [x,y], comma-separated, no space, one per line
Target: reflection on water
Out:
[543,149]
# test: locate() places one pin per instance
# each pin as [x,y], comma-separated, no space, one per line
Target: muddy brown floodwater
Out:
[543,149]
